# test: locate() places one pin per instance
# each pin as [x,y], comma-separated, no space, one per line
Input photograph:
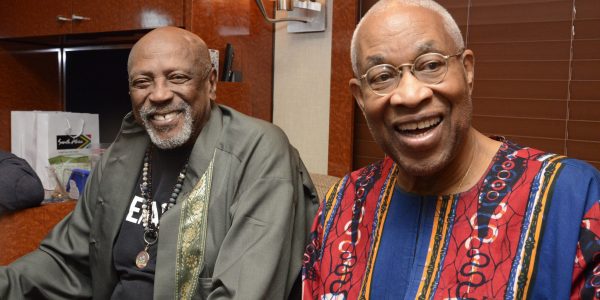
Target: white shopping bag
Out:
[54,140]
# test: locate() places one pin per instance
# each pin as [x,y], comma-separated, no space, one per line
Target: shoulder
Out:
[564,163]
[243,133]
[19,183]
[5,156]
[10,163]
[568,176]
[9,159]
[578,170]
[250,125]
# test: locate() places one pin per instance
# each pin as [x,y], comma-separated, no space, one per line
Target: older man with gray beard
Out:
[192,200]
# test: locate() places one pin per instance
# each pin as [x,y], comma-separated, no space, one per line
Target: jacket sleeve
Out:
[59,269]
[261,254]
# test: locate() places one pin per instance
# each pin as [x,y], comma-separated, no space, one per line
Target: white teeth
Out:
[420,125]
[410,126]
[165,117]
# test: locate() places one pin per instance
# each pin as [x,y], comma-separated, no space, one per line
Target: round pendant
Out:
[141,260]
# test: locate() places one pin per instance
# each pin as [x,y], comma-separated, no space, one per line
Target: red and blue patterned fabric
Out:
[528,230]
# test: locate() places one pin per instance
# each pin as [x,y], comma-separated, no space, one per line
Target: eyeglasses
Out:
[429,68]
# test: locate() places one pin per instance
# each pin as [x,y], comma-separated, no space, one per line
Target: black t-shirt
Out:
[133,282]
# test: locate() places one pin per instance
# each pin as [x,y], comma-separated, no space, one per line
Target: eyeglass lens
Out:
[429,68]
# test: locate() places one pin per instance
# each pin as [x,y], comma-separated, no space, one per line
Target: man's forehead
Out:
[156,48]
[416,50]
[413,31]
[161,62]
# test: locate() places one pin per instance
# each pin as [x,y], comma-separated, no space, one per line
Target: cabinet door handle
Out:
[63,19]
[79,18]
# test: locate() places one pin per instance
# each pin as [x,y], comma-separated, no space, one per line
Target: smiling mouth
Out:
[165,117]
[420,127]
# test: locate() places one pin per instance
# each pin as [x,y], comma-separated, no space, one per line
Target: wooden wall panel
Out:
[583,137]
[364,146]
[341,114]
[537,89]
[515,70]
[230,93]
[515,107]
[521,32]
[584,110]
[530,88]
[544,128]
[584,130]
[586,69]
[550,145]
[240,23]
[553,50]
[585,90]
[29,81]
[506,12]
[585,150]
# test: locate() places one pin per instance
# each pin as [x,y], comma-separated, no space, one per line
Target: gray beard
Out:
[173,142]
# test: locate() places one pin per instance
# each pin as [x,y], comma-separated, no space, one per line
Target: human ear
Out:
[356,89]
[468,61]
[212,84]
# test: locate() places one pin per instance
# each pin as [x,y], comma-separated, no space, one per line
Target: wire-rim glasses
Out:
[429,68]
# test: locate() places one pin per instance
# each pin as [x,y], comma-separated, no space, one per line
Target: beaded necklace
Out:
[151,229]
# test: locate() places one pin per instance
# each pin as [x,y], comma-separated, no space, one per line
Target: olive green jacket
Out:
[261,207]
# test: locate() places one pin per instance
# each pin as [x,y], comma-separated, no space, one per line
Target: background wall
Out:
[302,72]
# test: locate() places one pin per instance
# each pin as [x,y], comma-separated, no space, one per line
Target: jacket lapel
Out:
[200,158]
[116,189]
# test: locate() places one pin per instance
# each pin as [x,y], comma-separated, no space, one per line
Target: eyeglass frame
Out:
[412,70]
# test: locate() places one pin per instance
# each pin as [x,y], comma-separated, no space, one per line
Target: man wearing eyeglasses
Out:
[448,213]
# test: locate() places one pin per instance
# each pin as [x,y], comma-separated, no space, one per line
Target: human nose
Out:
[160,92]
[410,91]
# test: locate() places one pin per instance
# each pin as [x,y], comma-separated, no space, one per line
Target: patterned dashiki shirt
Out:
[528,229]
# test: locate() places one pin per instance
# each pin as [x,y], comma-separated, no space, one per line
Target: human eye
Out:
[141,83]
[381,76]
[430,63]
[178,78]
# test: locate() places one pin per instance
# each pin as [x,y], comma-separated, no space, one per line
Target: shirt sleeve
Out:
[586,269]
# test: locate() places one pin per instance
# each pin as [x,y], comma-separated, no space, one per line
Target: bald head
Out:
[387,6]
[160,38]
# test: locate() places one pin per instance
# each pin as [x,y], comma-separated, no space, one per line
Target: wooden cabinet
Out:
[117,15]
[30,17]
[24,18]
